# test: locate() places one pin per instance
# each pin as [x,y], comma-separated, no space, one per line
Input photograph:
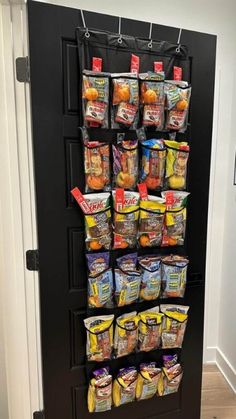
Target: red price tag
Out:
[119,199]
[96,64]
[169,199]
[142,188]
[158,66]
[79,197]
[134,64]
[178,72]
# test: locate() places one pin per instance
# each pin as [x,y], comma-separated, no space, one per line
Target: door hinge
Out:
[38,415]
[32,260]
[23,69]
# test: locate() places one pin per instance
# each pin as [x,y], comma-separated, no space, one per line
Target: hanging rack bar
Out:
[178,41]
[87,34]
[119,31]
[150,36]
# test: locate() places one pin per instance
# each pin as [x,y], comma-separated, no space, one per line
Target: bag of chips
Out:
[151,221]
[173,325]
[125,101]
[152,99]
[176,164]
[172,376]
[125,163]
[177,99]
[126,216]
[148,378]
[99,337]
[126,334]
[153,163]
[127,280]
[175,218]
[96,164]
[150,327]
[124,386]
[100,391]
[100,280]
[150,267]
[95,94]
[174,275]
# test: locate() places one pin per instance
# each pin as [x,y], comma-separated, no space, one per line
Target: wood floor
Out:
[218,399]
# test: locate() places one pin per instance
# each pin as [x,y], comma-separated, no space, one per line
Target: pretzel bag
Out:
[100,391]
[95,96]
[100,280]
[124,386]
[99,337]
[127,280]
[125,101]
[148,378]
[174,325]
[152,99]
[177,99]
[153,163]
[125,163]
[151,219]
[126,215]
[176,164]
[174,276]
[150,267]
[126,334]
[150,327]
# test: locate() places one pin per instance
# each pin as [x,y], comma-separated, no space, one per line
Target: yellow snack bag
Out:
[148,379]
[99,337]
[174,325]
[100,391]
[126,334]
[124,386]
[150,327]
[176,164]
[175,218]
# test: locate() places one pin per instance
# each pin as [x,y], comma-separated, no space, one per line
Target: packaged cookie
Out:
[126,216]
[174,275]
[153,160]
[177,99]
[176,164]
[150,267]
[124,386]
[95,96]
[152,99]
[100,391]
[126,334]
[150,328]
[174,325]
[99,337]
[100,280]
[151,221]
[127,280]
[125,163]
[175,218]
[148,378]
[125,101]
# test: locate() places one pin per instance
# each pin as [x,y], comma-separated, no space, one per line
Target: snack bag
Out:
[125,163]
[124,386]
[97,213]
[95,95]
[174,276]
[127,280]
[170,360]
[150,326]
[100,391]
[177,99]
[148,378]
[172,376]
[100,280]
[99,337]
[153,163]
[96,164]
[125,100]
[126,216]
[151,221]
[174,325]
[175,218]
[126,334]
[152,99]
[150,267]
[176,164]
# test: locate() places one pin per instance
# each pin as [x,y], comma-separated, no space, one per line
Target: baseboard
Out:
[226,369]
[209,355]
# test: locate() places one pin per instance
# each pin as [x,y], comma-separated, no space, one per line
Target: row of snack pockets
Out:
[129,100]
[131,384]
[144,278]
[135,219]
[158,327]
[162,163]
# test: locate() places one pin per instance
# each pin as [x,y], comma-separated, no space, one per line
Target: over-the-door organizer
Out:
[135,103]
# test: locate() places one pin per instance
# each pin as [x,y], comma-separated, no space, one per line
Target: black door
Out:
[59,167]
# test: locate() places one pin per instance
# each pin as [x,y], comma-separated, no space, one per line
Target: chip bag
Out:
[150,327]
[150,267]
[153,163]
[176,164]
[95,95]
[100,280]
[172,377]
[99,337]
[152,99]
[177,99]
[151,221]
[174,325]
[148,378]
[175,218]
[100,391]
[125,101]
[126,216]
[125,163]
[126,334]
[127,280]
[174,276]
[124,386]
